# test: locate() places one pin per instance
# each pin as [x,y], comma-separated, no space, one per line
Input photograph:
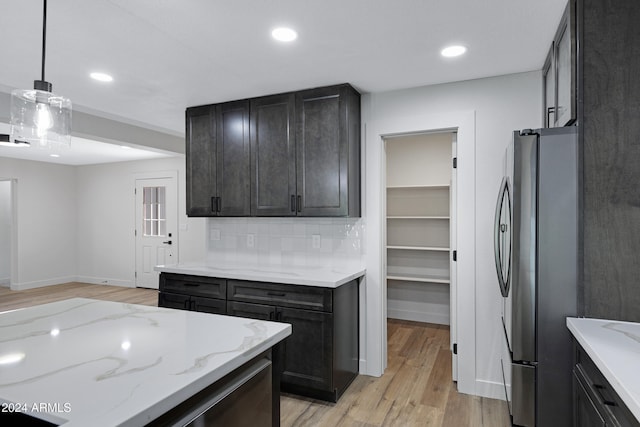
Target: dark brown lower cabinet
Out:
[307,353]
[596,403]
[320,358]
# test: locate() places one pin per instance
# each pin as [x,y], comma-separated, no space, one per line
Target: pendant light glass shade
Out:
[40,118]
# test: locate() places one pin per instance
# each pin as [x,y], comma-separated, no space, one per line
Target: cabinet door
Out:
[201,161]
[208,305]
[252,311]
[308,352]
[549,90]
[233,181]
[170,300]
[326,162]
[565,63]
[273,156]
[586,413]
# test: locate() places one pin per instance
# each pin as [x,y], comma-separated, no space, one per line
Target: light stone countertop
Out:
[322,276]
[98,363]
[614,347]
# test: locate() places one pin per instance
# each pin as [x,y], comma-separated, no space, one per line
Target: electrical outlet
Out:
[251,240]
[315,241]
[214,234]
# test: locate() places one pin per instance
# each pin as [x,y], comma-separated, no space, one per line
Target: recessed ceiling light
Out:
[101,77]
[54,155]
[284,34]
[453,51]
[125,147]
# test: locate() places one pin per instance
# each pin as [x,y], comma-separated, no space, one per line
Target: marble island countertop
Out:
[82,362]
[614,347]
[330,276]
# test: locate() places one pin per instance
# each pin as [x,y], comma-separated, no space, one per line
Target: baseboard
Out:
[418,316]
[42,283]
[5,281]
[106,281]
[81,279]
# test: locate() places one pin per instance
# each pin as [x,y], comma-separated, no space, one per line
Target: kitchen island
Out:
[82,362]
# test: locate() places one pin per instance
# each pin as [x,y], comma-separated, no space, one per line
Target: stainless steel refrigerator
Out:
[536,256]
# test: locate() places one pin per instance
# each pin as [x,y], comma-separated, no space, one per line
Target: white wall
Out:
[106,216]
[489,110]
[286,240]
[46,222]
[5,232]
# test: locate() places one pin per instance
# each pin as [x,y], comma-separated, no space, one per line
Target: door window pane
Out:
[154,212]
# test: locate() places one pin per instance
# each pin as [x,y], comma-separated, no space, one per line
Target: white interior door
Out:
[156,227]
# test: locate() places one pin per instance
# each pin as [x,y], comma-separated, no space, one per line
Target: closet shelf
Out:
[422,279]
[419,248]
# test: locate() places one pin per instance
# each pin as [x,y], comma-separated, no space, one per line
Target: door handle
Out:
[168,242]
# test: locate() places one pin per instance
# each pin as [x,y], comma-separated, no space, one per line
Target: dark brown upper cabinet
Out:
[328,151]
[273,155]
[304,155]
[217,151]
[559,73]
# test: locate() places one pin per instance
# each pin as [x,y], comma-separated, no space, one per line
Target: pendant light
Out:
[39,117]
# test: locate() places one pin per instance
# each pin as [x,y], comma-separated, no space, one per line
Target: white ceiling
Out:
[166,55]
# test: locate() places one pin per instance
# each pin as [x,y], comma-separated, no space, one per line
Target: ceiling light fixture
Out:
[101,77]
[453,51]
[39,117]
[284,34]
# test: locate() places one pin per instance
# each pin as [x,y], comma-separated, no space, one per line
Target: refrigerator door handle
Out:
[502,237]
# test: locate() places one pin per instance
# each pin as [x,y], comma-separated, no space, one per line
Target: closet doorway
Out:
[421,229]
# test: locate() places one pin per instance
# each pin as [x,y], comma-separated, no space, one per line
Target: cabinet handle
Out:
[213,204]
[278,315]
[299,203]
[276,294]
[187,304]
[293,203]
[218,204]
[600,389]
[550,110]
[271,315]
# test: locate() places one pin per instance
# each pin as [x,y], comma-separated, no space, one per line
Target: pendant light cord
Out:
[44,36]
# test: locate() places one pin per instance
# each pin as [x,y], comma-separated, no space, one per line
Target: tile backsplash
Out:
[295,241]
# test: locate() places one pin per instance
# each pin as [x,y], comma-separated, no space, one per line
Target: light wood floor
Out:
[415,390]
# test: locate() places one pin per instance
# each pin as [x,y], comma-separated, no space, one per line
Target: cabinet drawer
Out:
[169,300]
[611,406]
[202,286]
[252,311]
[208,305]
[294,296]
